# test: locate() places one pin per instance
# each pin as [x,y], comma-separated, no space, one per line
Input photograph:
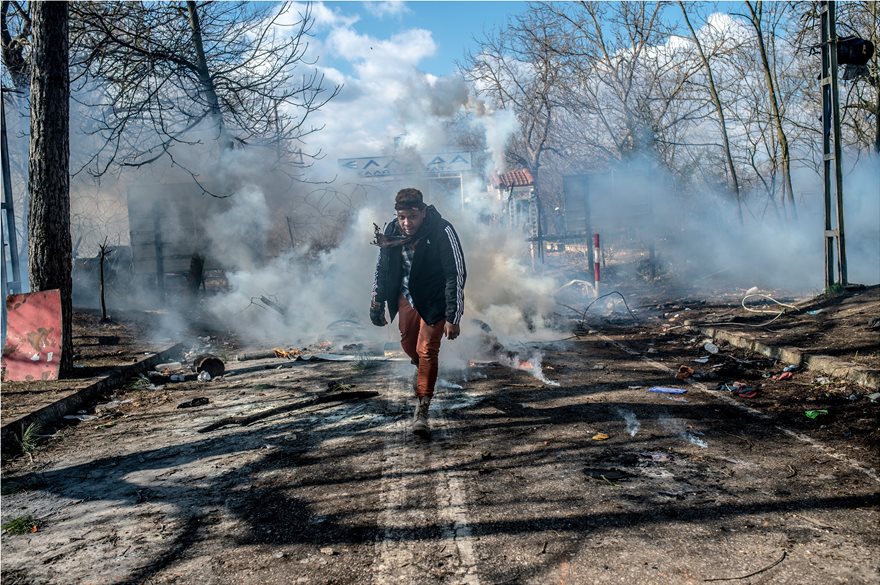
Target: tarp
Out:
[33,337]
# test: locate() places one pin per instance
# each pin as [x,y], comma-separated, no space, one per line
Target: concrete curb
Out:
[79,399]
[821,364]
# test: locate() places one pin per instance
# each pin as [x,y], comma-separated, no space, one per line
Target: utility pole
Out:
[14,284]
[833,175]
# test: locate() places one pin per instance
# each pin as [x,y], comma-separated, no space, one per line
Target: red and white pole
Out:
[596,260]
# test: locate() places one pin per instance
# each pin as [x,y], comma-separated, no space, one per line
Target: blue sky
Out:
[452,26]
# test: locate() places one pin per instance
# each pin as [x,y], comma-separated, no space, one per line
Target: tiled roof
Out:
[514,178]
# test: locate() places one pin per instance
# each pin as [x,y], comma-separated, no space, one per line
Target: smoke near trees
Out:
[722,101]
[727,100]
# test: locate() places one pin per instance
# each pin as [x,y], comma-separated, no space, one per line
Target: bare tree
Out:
[170,73]
[15,30]
[50,259]
[756,13]
[518,68]
[719,109]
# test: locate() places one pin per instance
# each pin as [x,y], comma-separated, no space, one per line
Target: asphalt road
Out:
[516,486]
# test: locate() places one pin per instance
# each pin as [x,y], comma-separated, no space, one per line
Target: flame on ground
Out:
[532,365]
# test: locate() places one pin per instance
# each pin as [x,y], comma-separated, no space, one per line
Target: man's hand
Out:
[377,314]
[451,331]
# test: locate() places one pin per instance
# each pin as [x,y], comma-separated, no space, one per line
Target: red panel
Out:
[33,336]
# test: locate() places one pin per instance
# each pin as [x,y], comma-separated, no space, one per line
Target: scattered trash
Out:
[106,425]
[666,390]
[209,363]
[746,391]
[702,360]
[783,376]
[656,456]
[169,366]
[823,380]
[600,437]
[328,551]
[338,387]
[791,368]
[199,401]
[204,376]
[853,397]
[814,312]
[874,397]
[599,366]
[176,378]
[684,372]
[814,414]
[711,348]
[80,417]
[111,404]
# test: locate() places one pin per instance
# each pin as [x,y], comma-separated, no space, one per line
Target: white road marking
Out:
[404,456]
[453,506]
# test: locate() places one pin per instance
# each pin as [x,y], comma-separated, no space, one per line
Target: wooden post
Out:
[103,254]
[831,150]
[160,261]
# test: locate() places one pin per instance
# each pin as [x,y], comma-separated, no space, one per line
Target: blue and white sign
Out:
[389,166]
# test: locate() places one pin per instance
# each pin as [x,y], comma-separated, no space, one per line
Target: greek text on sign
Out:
[386,166]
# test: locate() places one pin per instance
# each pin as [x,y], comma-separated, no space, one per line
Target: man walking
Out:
[420,274]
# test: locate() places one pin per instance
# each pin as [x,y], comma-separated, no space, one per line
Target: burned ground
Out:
[517,485]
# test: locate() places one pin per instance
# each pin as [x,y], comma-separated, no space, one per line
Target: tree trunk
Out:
[716,100]
[208,89]
[774,109]
[51,254]
[876,80]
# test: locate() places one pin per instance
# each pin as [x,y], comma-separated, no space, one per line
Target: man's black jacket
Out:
[436,279]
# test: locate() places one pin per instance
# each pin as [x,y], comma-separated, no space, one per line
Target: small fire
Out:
[532,365]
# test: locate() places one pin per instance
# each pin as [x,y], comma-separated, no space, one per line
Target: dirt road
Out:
[515,486]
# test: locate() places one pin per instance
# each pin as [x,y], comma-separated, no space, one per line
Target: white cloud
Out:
[408,47]
[324,17]
[385,95]
[385,8]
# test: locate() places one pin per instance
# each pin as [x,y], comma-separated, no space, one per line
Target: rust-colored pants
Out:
[421,342]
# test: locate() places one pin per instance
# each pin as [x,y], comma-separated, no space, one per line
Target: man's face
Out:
[410,220]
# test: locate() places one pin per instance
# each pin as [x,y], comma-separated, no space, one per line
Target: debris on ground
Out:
[684,372]
[198,401]
[338,387]
[666,390]
[209,363]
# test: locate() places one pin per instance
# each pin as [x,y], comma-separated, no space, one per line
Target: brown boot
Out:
[420,426]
